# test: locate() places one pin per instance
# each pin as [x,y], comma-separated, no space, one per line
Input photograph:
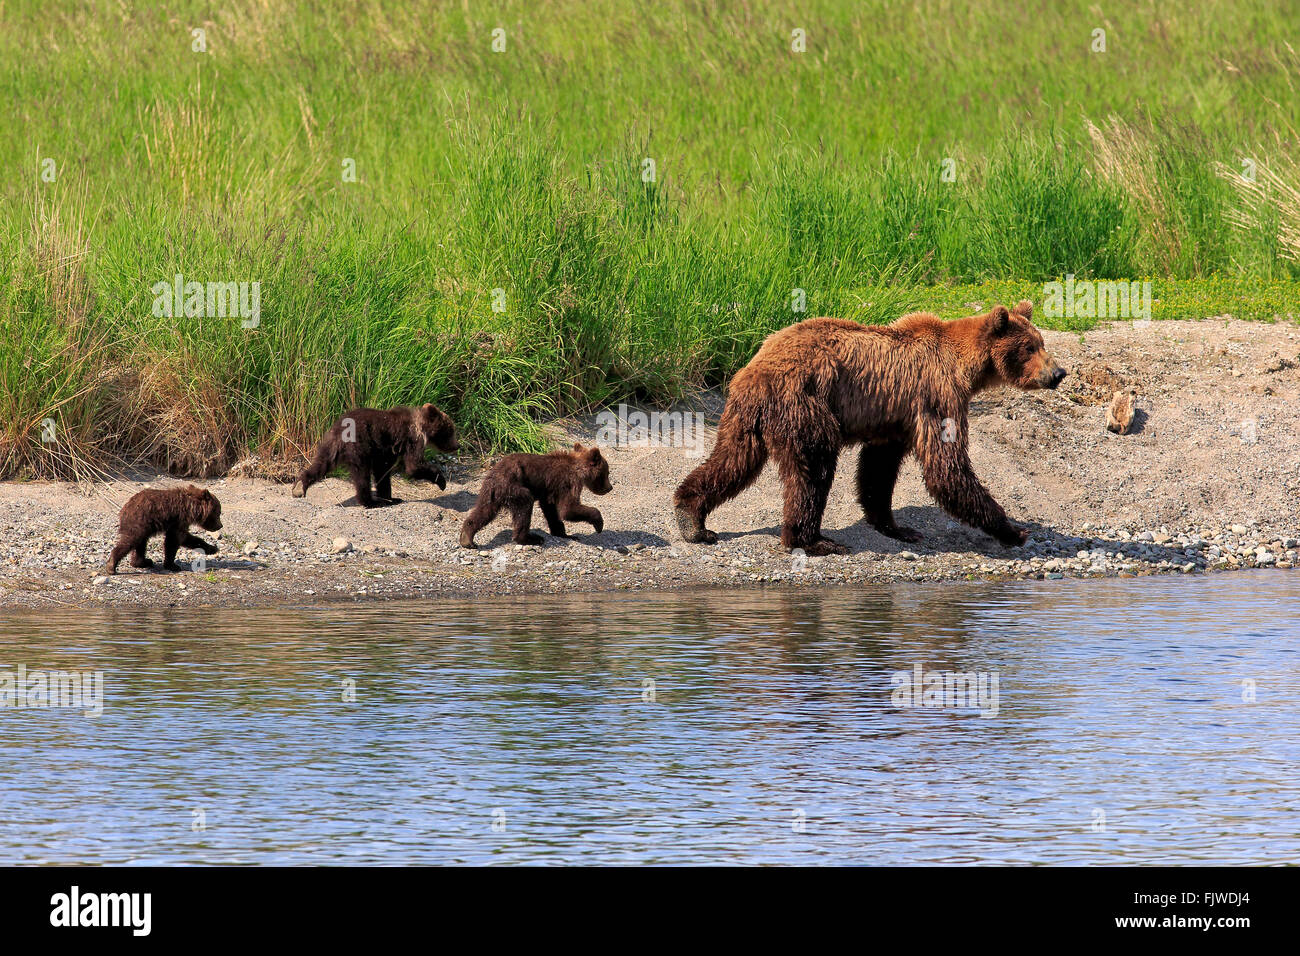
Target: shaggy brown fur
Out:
[371,442]
[554,481]
[169,513]
[822,384]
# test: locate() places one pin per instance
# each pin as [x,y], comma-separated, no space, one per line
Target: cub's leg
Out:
[576,511]
[120,551]
[521,510]
[171,543]
[138,557]
[361,482]
[484,511]
[552,516]
[194,541]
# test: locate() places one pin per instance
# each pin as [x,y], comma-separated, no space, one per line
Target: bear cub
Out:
[169,513]
[554,481]
[371,442]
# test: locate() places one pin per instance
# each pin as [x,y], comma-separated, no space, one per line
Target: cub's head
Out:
[1016,349]
[594,468]
[438,430]
[205,509]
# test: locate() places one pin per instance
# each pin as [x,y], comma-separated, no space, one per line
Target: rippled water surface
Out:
[701,727]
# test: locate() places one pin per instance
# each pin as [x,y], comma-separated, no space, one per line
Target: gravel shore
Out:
[1207,481]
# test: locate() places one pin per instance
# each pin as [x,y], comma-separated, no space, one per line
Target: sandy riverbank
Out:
[1208,481]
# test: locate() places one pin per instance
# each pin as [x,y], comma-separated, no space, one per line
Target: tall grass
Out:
[504,251]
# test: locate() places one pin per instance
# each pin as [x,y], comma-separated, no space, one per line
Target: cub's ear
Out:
[593,453]
[999,318]
[577,447]
[208,496]
[1024,307]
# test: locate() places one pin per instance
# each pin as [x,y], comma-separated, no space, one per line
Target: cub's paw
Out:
[172,566]
[531,537]
[298,491]
[210,549]
[440,480]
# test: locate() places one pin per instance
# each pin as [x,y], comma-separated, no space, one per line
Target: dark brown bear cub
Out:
[170,514]
[554,481]
[372,442]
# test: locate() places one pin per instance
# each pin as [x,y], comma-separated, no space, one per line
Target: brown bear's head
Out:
[437,429]
[1016,349]
[594,469]
[205,508]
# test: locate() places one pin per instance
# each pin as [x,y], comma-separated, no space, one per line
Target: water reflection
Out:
[707,726]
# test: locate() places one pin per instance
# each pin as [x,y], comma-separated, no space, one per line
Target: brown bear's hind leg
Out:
[138,557]
[877,474]
[806,477]
[736,460]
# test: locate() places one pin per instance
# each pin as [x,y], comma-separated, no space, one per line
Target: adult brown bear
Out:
[821,384]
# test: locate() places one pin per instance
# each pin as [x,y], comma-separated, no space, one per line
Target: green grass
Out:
[522,171]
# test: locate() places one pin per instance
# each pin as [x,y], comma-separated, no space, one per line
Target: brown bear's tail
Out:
[736,460]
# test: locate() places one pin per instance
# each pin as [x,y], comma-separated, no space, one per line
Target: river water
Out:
[1135,721]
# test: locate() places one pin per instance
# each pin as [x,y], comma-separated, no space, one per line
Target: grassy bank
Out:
[504,250]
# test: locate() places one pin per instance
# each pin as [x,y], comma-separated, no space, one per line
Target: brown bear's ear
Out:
[1024,307]
[593,453]
[999,318]
[577,447]
[207,495]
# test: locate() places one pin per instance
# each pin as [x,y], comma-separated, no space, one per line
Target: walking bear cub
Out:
[822,384]
[554,481]
[169,513]
[371,442]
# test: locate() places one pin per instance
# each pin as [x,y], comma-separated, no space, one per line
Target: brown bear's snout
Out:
[1055,375]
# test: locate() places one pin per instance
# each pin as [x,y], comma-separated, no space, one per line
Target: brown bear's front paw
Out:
[298,491]
[210,549]
[172,566]
[467,541]
[440,480]
[693,530]
[824,546]
[531,537]
[141,563]
[1013,536]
